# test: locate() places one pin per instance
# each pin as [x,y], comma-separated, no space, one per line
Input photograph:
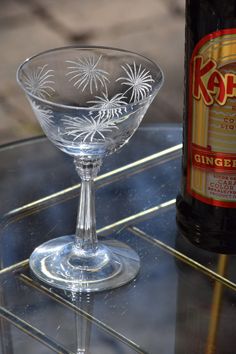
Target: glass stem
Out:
[86,236]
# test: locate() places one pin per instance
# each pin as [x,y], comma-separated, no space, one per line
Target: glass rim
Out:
[59,105]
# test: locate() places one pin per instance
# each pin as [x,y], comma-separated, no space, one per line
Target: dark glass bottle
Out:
[206,205]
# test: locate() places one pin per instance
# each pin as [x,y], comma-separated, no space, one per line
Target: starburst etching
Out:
[85,73]
[45,116]
[139,81]
[113,107]
[87,129]
[39,81]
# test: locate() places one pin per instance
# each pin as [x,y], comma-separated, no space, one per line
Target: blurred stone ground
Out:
[154,28]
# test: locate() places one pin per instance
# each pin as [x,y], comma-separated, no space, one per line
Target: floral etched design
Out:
[113,107]
[87,129]
[85,73]
[39,82]
[107,111]
[139,81]
[45,116]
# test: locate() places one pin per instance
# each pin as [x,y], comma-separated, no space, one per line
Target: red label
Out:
[206,159]
[211,172]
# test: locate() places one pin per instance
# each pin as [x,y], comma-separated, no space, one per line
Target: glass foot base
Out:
[59,263]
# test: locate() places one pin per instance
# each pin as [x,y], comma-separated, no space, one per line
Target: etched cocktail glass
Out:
[89,101]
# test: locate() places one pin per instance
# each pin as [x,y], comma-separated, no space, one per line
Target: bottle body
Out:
[206,206]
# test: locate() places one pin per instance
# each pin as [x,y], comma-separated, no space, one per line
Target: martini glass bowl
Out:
[89,101]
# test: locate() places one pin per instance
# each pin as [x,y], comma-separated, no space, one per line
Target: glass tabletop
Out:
[182,301]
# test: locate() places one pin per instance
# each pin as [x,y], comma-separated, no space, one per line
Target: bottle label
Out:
[211,171]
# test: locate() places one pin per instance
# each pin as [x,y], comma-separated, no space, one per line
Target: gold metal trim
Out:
[102,180]
[79,311]
[120,224]
[14,267]
[182,257]
[33,332]
[216,306]
[123,223]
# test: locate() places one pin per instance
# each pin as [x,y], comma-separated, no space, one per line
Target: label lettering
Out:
[211,84]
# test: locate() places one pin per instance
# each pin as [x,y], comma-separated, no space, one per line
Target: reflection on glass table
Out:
[182,301]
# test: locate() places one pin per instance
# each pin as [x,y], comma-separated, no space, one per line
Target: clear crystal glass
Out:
[89,101]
